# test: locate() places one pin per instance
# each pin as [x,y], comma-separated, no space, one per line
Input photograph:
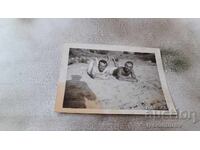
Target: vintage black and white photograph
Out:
[104,79]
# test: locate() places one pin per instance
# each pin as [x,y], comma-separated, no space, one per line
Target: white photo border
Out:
[63,74]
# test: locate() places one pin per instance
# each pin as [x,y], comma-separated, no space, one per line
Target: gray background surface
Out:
[30,59]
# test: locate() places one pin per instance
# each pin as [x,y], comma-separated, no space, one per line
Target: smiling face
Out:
[102,65]
[128,66]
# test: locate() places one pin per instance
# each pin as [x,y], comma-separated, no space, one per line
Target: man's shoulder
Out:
[120,68]
[117,71]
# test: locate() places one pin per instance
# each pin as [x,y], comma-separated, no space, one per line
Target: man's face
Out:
[102,66]
[128,67]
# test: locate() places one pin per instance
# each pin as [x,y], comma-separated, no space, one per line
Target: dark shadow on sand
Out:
[76,92]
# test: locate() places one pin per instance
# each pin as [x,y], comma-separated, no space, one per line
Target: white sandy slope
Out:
[115,94]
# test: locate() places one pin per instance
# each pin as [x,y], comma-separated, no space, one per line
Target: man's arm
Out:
[131,78]
[108,60]
[97,62]
[115,63]
[93,65]
[128,78]
[134,76]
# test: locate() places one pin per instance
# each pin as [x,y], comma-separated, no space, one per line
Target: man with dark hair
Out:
[125,73]
[99,69]
[102,65]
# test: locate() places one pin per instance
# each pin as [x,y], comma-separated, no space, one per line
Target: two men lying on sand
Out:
[102,70]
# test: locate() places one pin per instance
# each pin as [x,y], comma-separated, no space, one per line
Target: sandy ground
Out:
[115,94]
[30,60]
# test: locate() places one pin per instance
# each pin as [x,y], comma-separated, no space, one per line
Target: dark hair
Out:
[103,61]
[129,62]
